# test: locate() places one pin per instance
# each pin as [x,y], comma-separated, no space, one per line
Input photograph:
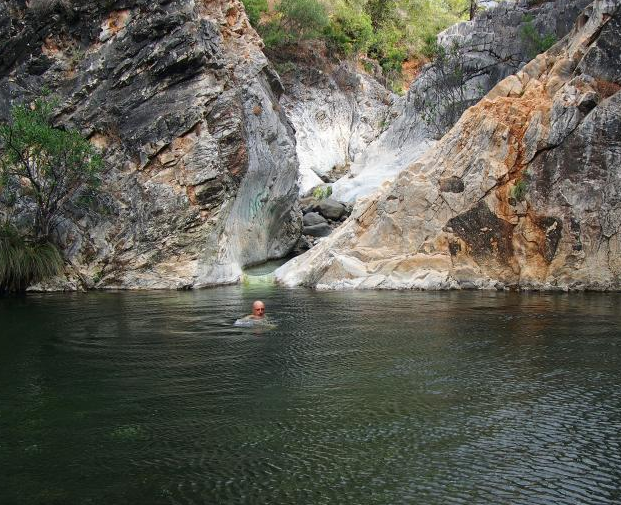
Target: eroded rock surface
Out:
[523,192]
[201,159]
[493,46]
[336,111]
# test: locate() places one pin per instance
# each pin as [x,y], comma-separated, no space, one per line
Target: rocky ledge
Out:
[523,192]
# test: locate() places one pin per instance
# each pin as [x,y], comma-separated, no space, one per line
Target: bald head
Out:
[258,309]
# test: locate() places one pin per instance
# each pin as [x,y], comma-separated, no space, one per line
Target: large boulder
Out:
[317,230]
[312,218]
[330,209]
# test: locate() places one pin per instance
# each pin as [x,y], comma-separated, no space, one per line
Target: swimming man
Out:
[257,316]
[258,310]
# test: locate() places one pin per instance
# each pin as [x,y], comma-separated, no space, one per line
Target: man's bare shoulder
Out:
[252,320]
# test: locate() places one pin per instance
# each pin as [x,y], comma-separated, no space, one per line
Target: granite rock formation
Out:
[523,192]
[492,46]
[336,112]
[202,168]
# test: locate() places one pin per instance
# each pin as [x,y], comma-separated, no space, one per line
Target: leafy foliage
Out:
[350,30]
[518,191]
[389,31]
[254,10]
[294,21]
[537,43]
[321,193]
[23,262]
[387,50]
[303,19]
[44,165]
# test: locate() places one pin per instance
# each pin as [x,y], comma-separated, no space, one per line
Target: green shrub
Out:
[518,191]
[350,30]
[45,165]
[302,19]
[321,193]
[536,42]
[387,48]
[285,67]
[293,21]
[23,262]
[392,60]
[430,46]
[382,11]
[273,34]
[254,10]
[368,66]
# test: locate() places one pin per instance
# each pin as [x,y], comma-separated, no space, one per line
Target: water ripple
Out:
[354,398]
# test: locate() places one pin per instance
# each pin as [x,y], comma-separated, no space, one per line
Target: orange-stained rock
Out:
[536,163]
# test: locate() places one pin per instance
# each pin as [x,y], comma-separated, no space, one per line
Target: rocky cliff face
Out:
[202,169]
[494,45]
[336,111]
[523,192]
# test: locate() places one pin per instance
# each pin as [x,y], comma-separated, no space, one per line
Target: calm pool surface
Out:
[355,398]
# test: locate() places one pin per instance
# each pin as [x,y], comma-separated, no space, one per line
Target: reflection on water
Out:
[354,398]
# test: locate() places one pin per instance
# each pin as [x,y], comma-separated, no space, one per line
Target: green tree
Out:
[254,10]
[302,19]
[44,165]
[350,30]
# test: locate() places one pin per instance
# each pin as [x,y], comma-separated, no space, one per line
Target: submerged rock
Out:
[523,192]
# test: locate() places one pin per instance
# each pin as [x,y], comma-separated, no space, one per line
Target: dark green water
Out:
[356,398]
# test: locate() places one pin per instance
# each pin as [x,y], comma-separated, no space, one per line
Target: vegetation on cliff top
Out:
[389,31]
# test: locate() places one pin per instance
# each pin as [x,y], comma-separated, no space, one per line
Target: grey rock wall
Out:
[201,162]
[337,112]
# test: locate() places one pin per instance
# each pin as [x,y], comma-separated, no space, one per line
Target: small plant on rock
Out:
[320,193]
[536,42]
[518,191]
